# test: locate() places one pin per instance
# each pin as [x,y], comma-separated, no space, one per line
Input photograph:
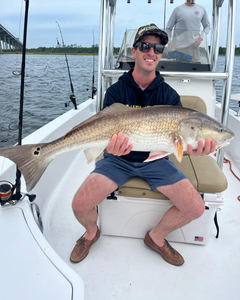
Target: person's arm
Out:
[205,24]
[170,24]
[117,146]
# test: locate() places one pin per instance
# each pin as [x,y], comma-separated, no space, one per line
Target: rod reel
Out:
[94,91]
[73,100]
[8,195]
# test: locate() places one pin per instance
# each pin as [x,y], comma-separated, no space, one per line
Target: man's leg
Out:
[188,205]
[92,192]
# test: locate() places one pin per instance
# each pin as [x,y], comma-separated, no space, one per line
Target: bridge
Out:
[8,41]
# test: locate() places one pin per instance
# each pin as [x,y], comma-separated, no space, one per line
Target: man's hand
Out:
[200,151]
[197,42]
[117,147]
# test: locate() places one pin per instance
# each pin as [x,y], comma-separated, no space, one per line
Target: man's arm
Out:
[170,24]
[205,24]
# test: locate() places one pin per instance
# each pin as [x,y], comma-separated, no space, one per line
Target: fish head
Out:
[199,126]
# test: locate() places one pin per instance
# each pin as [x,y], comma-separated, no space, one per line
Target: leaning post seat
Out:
[137,208]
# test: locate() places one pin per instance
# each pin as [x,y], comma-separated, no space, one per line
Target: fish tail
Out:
[31,161]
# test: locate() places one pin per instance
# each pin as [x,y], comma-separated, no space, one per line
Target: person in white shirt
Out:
[186,20]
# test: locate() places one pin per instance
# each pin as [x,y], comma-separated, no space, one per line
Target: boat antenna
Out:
[72,96]
[94,90]
[13,192]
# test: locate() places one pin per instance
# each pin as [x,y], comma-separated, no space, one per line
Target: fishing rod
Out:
[10,193]
[72,96]
[94,89]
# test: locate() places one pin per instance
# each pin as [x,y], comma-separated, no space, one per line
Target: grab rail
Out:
[198,75]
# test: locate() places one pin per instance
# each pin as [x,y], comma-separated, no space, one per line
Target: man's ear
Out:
[134,52]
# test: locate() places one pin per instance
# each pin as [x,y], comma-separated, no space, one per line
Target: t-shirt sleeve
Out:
[170,24]
[205,23]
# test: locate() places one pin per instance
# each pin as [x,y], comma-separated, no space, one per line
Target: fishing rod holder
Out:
[8,195]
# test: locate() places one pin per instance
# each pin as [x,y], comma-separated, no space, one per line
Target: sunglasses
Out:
[145,47]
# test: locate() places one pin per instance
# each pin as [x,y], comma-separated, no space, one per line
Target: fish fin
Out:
[30,160]
[178,144]
[92,153]
[156,155]
[116,107]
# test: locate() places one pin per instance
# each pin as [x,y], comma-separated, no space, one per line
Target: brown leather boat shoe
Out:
[81,249]
[167,252]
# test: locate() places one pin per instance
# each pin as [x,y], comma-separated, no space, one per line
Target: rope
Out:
[225,160]
[230,166]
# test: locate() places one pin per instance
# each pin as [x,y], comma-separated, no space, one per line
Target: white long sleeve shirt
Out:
[187,21]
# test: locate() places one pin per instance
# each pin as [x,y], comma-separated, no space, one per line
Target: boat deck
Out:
[125,268]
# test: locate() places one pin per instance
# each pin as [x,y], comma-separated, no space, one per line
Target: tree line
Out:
[69,49]
[75,49]
[222,50]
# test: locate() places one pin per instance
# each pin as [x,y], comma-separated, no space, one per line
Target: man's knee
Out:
[92,192]
[82,199]
[197,209]
[78,203]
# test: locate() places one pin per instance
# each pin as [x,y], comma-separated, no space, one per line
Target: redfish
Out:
[160,130]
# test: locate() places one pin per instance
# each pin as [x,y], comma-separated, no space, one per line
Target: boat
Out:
[38,234]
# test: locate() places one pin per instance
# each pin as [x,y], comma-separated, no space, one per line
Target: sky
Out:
[78,19]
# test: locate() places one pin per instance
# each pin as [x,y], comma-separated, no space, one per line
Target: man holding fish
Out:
[141,87]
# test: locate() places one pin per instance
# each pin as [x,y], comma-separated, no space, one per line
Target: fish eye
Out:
[220,129]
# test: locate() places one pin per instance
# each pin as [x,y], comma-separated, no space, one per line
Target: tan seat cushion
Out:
[210,178]
[194,102]
[203,172]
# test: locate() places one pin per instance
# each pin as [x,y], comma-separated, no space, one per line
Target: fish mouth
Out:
[221,144]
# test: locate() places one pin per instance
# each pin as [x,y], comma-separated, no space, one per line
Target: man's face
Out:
[147,61]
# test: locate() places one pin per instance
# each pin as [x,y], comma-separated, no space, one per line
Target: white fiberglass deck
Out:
[124,268]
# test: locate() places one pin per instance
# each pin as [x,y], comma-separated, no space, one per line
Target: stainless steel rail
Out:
[229,69]
[110,49]
[197,75]
[101,53]
[215,36]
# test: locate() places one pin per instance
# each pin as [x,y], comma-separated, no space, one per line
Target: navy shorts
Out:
[157,173]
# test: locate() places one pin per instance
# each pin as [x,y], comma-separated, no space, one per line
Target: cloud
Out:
[78,18]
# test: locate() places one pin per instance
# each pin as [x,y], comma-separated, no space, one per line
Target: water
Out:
[235,83]
[47,91]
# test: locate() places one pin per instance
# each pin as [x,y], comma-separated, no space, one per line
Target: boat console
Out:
[175,60]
